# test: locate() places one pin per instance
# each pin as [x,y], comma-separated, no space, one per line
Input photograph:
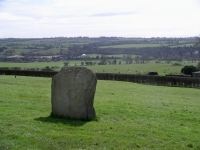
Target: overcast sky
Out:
[94,18]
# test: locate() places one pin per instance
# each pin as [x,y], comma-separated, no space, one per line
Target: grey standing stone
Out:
[72,95]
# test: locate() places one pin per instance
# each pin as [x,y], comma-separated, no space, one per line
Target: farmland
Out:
[52,46]
[129,116]
[162,68]
[129,55]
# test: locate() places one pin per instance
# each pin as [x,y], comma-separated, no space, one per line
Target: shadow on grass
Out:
[63,120]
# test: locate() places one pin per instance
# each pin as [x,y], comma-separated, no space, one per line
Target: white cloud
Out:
[42,18]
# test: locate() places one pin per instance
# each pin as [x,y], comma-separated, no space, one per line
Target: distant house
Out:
[196,74]
[14,56]
[83,55]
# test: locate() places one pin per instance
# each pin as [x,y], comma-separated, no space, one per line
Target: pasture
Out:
[134,68]
[70,49]
[134,45]
[129,116]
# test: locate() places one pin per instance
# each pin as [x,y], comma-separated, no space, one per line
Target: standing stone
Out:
[73,90]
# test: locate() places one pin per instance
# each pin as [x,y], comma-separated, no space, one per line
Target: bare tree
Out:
[136,59]
[198,66]
[197,47]
[103,60]
[66,63]
[128,59]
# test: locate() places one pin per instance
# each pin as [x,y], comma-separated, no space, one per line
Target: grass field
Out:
[182,45]
[52,51]
[123,68]
[114,55]
[134,45]
[138,68]
[129,116]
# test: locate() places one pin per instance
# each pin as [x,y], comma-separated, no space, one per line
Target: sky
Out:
[94,18]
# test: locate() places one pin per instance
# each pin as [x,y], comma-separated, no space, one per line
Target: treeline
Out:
[152,79]
[2,48]
[163,52]
[72,47]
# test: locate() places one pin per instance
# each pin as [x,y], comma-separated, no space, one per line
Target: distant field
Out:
[39,65]
[129,116]
[114,55]
[182,45]
[53,50]
[134,45]
[134,68]
[18,51]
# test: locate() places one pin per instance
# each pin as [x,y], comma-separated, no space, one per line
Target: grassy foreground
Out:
[129,116]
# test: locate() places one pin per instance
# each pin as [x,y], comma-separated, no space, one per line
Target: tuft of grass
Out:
[129,116]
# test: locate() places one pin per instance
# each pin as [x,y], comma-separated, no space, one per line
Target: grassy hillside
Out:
[129,116]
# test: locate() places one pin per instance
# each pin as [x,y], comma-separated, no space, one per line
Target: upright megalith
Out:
[72,95]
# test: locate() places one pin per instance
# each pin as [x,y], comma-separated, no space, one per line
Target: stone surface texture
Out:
[72,95]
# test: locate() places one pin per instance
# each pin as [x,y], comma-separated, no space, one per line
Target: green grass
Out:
[123,68]
[129,116]
[39,65]
[53,50]
[114,55]
[17,51]
[133,45]
[141,68]
[182,45]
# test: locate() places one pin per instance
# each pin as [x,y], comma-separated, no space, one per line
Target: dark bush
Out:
[188,70]
[177,64]
[152,73]
[47,69]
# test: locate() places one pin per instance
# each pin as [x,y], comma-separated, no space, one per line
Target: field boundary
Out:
[142,79]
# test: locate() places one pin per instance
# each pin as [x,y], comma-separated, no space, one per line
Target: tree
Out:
[66,63]
[197,44]
[9,52]
[152,73]
[114,62]
[103,60]
[128,59]
[97,57]
[197,47]
[144,58]
[88,63]
[198,66]
[110,62]
[188,69]
[137,59]
[2,48]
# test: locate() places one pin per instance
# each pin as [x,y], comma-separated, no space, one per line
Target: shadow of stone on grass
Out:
[64,120]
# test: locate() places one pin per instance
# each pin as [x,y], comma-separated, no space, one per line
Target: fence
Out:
[152,80]
[28,73]
[143,79]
